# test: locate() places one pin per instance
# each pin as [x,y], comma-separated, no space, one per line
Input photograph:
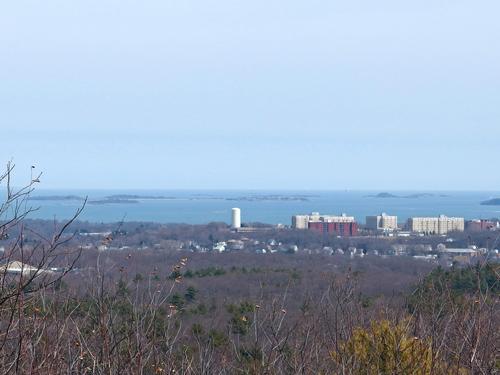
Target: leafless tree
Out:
[25,272]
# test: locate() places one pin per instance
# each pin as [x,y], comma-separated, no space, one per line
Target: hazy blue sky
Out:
[252,94]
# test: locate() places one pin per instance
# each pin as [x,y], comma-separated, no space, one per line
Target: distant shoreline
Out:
[135,198]
[386,195]
[56,198]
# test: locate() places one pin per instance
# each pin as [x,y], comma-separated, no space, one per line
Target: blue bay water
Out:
[199,207]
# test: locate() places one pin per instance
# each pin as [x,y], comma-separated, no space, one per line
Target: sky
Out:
[261,94]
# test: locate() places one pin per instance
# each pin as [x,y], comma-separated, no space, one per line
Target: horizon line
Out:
[381,190]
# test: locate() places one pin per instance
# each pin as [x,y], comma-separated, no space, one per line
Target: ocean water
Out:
[199,207]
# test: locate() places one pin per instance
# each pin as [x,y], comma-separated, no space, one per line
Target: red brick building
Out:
[338,228]
[480,225]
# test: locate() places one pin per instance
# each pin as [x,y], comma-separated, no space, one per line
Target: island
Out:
[383,195]
[272,197]
[491,202]
[112,201]
[409,196]
[136,197]
[56,198]
[420,195]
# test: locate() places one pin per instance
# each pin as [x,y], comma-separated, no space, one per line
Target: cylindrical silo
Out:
[236,218]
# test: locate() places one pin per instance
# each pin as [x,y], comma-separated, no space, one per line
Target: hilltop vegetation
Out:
[467,280]
[257,320]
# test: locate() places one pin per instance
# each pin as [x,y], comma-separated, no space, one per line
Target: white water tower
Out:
[236,218]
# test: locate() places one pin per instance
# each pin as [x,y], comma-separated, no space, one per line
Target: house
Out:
[19,268]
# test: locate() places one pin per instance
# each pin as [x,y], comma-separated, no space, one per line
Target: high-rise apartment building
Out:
[300,221]
[436,225]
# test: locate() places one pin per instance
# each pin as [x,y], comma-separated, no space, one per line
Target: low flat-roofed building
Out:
[466,251]
[20,268]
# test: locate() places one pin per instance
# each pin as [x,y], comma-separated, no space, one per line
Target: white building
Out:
[17,267]
[235,244]
[382,222]
[236,218]
[436,225]
[337,219]
[219,247]
[302,221]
